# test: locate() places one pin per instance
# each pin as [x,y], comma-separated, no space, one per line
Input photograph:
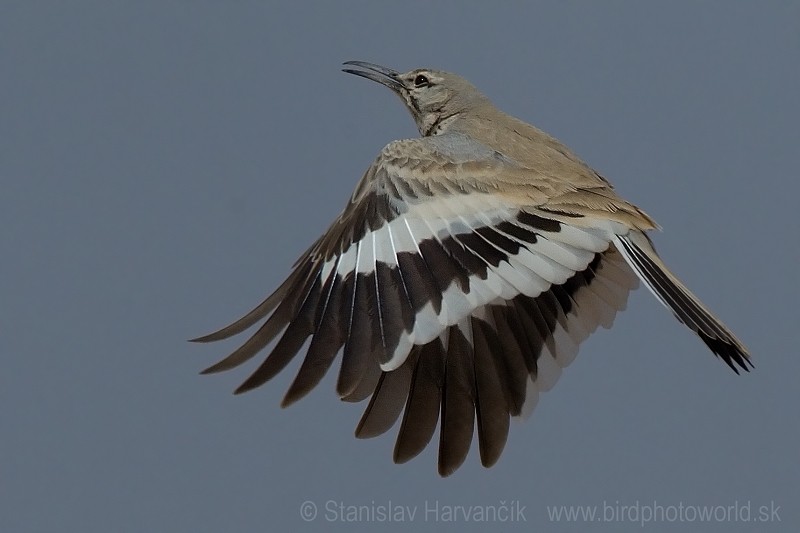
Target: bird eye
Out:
[421,81]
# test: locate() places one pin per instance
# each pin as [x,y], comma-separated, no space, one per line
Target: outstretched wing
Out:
[426,240]
[456,284]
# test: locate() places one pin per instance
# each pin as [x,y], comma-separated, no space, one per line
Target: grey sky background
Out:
[164,163]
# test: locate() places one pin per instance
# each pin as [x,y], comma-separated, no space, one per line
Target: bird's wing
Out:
[492,365]
[452,292]
[429,236]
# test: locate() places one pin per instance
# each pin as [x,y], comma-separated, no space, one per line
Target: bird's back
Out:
[574,187]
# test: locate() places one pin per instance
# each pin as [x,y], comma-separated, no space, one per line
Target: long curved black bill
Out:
[383,75]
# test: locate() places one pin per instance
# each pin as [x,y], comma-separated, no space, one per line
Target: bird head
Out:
[433,97]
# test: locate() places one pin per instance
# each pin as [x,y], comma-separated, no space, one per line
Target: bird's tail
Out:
[638,251]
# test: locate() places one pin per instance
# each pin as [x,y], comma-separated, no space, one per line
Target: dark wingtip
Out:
[256,314]
[204,338]
[293,395]
[218,367]
[241,389]
[221,334]
[254,381]
[286,403]
[447,470]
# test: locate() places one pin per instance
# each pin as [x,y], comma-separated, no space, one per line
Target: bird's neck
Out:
[438,124]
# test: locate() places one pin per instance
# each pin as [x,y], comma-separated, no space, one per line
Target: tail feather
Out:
[638,251]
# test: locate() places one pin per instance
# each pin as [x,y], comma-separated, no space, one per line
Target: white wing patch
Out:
[531,271]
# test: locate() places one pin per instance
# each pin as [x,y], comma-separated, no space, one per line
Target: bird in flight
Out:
[461,277]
